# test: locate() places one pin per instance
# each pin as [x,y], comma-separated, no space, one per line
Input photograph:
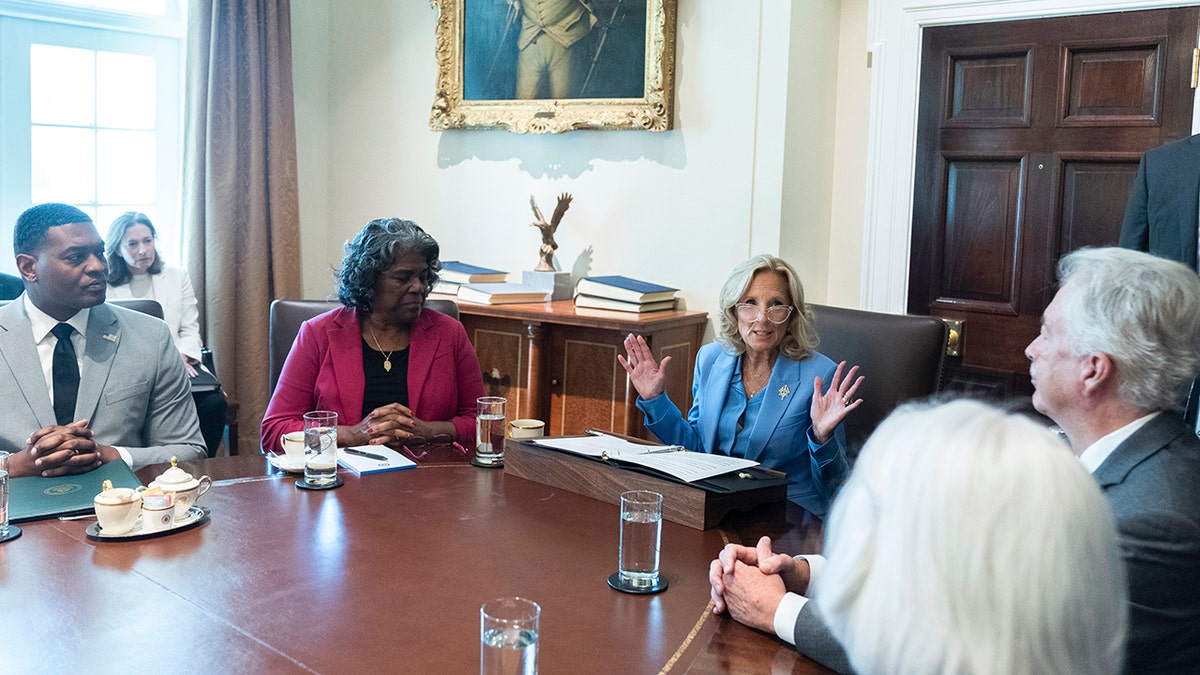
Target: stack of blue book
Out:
[623,294]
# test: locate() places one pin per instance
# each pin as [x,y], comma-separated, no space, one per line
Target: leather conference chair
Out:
[287,315]
[900,355]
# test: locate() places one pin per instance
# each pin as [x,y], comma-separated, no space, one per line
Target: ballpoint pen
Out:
[368,455]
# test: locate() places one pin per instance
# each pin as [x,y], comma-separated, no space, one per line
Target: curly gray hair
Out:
[373,250]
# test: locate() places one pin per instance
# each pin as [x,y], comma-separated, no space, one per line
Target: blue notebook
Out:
[364,459]
[463,273]
[617,287]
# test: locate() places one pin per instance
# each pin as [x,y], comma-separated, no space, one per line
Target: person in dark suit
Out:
[84,382]
[1163,213]
[1120,344]
[10,287]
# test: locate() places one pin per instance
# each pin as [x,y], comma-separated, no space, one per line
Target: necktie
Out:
[66,374]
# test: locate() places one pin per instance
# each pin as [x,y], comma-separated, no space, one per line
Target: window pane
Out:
[130,172]
[61,85]
[125,90]
[64,165]
[152,7]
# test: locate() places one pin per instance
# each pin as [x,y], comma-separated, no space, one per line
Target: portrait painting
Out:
[555,65]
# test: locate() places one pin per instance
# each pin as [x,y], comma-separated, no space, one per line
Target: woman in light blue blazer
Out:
[758,391]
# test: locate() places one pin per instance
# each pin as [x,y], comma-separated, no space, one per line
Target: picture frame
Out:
[602,64]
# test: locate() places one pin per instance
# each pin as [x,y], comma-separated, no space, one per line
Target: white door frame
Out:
[894,39]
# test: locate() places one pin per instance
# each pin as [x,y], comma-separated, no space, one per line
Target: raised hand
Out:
[831,407]
[648,376]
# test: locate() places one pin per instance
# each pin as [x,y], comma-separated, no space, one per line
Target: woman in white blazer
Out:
[135,270]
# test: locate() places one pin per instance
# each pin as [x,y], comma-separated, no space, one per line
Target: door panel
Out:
[1029,135]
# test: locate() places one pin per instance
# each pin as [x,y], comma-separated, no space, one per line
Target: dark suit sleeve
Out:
[1135,229]
[814,640]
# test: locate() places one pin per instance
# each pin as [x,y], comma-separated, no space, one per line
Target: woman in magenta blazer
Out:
[391,369]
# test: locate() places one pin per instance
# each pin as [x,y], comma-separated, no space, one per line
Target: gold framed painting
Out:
[549,66]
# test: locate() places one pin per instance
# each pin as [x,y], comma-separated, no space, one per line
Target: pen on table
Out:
[368,455]
[613,434]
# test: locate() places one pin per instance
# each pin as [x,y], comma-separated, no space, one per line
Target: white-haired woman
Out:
[758,390]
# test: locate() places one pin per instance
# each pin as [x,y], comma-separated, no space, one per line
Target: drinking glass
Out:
[489,430]
[508,636]
[320,447]
[3,494]
[641,538]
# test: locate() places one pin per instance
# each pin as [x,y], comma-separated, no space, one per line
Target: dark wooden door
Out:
[1028,140]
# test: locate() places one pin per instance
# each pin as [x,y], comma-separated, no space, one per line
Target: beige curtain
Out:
[240,213]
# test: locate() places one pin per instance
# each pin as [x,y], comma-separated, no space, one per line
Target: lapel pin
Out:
[111,337]
[783,392]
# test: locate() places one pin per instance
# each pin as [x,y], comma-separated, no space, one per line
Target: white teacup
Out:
[293,448]
[158,512]
[117,509]
[527,428]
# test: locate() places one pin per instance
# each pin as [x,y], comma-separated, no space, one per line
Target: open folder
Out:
[671,460]
[38,497]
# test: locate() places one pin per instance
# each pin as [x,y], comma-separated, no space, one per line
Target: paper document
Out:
[372,459]
[669,459]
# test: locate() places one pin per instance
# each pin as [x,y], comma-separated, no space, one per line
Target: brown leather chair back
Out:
[287,315]
[900,355]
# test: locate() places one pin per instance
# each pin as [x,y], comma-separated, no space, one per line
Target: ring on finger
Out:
[846,400]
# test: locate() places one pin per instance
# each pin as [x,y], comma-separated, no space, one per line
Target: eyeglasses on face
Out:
[418,446]
[775,314]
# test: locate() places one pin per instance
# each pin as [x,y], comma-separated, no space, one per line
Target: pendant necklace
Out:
[387,356]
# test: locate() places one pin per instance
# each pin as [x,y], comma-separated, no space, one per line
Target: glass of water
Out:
[489,430]
[508,636]
[3,494]
[641,539]
[320,447]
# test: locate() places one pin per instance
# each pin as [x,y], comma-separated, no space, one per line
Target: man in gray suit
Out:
[112,388]
[1120,344]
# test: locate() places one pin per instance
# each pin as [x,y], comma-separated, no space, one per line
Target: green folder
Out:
[38,497]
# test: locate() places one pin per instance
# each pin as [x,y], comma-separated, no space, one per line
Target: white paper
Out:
[359,465]
[670,459]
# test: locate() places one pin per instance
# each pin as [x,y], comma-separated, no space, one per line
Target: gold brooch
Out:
[783,392]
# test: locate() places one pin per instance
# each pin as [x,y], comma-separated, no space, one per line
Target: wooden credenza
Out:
[556,363]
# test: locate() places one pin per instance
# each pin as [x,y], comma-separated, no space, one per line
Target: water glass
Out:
[508,636]
[320,447]
[489,430]
[3,494]
[641,539]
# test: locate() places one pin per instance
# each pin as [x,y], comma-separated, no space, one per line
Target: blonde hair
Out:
[800,337]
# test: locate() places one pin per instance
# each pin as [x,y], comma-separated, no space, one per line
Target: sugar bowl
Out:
[117,509]
[183,486]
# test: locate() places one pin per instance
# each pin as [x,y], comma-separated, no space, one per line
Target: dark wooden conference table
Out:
[384,574]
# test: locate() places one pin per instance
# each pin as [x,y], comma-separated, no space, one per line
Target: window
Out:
[91,102]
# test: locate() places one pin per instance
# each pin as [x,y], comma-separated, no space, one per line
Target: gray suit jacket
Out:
[814,640]
[133,387]
[1152,481]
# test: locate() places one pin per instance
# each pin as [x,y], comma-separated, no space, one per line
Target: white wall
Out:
[679,208]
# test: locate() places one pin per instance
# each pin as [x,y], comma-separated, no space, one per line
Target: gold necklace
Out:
[387,357]
[751,382]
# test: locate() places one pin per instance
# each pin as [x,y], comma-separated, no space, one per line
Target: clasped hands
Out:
[749,583]
[59,451]
[391,425]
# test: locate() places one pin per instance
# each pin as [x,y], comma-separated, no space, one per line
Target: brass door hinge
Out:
[1195,67]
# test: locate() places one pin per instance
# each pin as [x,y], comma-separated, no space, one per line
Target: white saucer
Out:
[281,462]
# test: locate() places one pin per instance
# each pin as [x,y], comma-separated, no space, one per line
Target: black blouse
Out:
[380,386]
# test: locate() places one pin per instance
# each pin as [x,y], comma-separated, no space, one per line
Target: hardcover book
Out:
[592,302]
[463,273]
[617,287]
[499,294]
